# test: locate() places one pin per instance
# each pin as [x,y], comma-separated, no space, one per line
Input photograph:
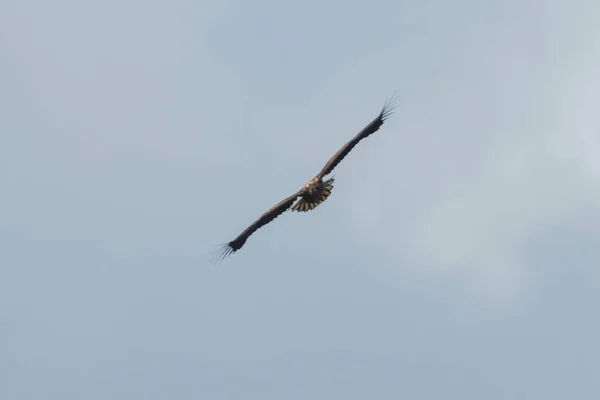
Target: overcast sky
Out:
[458,256]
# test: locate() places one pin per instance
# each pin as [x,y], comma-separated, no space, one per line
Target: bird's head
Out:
[309,187]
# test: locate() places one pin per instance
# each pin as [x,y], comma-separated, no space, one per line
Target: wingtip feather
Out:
[390,105]
[224,250]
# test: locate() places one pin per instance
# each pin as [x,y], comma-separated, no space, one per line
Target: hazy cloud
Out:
[456,257]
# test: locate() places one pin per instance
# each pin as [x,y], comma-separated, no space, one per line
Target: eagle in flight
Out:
[315,192]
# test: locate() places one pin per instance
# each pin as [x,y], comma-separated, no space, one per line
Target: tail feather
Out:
[303,205]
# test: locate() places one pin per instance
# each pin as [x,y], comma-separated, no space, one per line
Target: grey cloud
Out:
[135,136]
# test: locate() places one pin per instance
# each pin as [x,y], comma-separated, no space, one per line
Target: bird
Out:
[313,193]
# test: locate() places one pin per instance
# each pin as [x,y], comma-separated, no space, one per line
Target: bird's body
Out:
[313,193]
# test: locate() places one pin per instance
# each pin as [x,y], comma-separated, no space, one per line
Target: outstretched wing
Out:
[227,249]
[388,109]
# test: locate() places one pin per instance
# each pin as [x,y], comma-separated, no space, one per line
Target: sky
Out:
[458,256]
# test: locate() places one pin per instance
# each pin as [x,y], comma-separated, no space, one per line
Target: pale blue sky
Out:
[458,256]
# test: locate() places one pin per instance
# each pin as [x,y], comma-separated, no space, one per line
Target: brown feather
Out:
[388,108]
[237,243]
